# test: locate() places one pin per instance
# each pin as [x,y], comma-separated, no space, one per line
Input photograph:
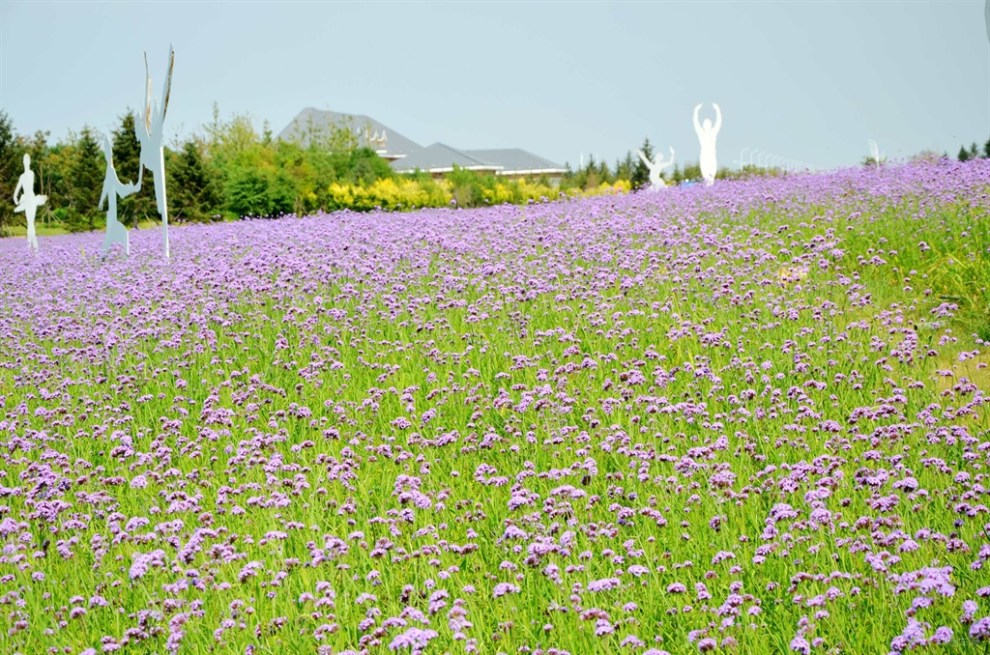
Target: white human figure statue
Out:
[113,187]
[656,168]
[25,201]
[706,135]
[150,131]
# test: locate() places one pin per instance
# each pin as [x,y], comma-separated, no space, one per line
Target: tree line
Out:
[230,170]
[974,152]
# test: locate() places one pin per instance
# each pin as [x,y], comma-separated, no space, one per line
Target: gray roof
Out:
[440,158]
[311,120]
[515,160]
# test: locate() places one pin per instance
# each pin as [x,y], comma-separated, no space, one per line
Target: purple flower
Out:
[604,584]
[504,588]
[415,639]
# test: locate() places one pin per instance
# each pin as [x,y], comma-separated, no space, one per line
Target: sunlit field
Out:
[751,418]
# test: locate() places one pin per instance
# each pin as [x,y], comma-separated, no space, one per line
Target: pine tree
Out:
[624,168]
[194,194]
[604,175]
[127,162]
[11,166]
[974,151]
[641,174]
[86,181]
[986,149]
[963,154]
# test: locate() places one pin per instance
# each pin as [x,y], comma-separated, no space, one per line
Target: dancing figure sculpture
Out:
[113,187]
[150,131]
[706,135]
[656,168]
[25,201]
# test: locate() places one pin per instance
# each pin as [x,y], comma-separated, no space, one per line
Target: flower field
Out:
[746,419]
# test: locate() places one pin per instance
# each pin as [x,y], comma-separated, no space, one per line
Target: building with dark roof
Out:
[439,159]
[516,162]
[407,156]
[312,124]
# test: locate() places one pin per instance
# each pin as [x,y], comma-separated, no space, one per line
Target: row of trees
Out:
[230,170]
[227,172]
[71,173]
[632,170]
[974,152]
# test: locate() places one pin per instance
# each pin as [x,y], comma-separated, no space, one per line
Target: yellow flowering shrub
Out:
[407,193]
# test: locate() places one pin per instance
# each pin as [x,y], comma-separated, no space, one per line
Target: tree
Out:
[974,151]
[127,162]
[624,168]
[255,191]
[86,183]
[963,154]
[11,166]
[194,194]
[986,149]
[641,174]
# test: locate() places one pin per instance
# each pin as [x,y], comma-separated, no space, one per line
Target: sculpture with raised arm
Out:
[25,201]
[150,131]
[656,168]
[706,135]
[113,187]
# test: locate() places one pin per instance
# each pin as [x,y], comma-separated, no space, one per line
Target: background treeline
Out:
[974,152]
[231,170]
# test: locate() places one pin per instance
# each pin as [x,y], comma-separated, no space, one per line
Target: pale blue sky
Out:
[810,81]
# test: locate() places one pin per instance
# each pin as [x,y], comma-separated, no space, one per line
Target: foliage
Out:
[973,152]
[231,171]
[641,173]
[259,191]
[85,183]
[10,169]
[194,194]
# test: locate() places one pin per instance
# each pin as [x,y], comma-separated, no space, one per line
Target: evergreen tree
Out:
[974,151]
[604,175]
[86,180]
[11,167]
[624,169]
[641,174]
[986,149]
[963,154]
[127,162]
[194,194]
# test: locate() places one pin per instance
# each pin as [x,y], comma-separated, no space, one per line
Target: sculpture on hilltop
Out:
[706,135]
[656,168]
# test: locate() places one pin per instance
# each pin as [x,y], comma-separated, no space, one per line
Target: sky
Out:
[805,81]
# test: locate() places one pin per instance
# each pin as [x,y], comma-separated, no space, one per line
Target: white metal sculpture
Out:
[25,201]
[656,168]
[706,135]
[874,152]
[150,132]
[113,187]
